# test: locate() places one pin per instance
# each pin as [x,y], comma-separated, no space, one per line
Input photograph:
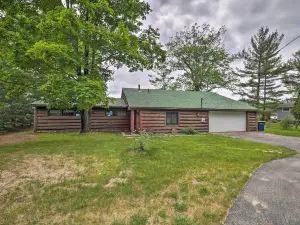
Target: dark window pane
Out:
[54,112]
[114,112]
[172,118]
[122,113]
[69,112]
[169,120]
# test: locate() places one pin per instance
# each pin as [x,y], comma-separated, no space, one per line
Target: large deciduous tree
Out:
[163,78]
[69,49]
[259,80]
[292,79]
[199,52]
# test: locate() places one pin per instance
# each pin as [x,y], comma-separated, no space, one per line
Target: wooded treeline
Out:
[65,52]
[263,79]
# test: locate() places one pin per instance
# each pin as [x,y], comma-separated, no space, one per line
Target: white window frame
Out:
[283,109]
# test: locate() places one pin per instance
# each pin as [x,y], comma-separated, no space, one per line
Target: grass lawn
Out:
[274,128]
[100,178]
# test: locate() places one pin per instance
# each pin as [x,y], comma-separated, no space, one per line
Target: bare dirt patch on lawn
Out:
[16,138]
[48,169]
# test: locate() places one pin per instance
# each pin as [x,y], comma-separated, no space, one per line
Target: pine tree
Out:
[292,79]
[296,110]
[259,80]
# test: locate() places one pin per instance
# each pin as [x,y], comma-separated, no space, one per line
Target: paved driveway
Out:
[272,196]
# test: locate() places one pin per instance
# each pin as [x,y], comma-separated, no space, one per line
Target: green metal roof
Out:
[155,98]
[117,102]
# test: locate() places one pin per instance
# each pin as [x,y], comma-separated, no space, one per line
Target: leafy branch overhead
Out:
[163,78]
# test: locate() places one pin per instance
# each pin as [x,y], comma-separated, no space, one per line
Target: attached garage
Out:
[227,121]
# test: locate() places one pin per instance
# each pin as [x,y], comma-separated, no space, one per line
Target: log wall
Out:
[252,121]
[56,123]
[100,122]
[155,121]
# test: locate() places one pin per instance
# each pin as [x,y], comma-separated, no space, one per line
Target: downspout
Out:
[201,103]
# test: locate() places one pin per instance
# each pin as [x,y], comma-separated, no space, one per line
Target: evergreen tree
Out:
[259,80]
[15,113]
[296,110]
[292,79]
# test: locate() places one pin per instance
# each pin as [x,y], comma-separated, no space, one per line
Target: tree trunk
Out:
[84,121]
[258,85]
[265,96]
[86,51]
[93,61]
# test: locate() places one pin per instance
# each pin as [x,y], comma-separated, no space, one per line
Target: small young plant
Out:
[142,140]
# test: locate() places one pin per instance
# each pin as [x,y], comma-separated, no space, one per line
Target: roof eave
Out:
[204,109]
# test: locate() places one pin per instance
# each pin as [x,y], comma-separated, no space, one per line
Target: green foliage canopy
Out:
[199,52]
[65,53]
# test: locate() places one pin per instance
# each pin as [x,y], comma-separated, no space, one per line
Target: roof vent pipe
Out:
[139,87]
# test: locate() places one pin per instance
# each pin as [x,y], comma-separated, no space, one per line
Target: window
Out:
[54,112]
[172,118]
[115,112]
[58,112]
[69,113]
[285,109]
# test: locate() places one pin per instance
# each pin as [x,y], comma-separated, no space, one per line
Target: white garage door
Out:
[222,121]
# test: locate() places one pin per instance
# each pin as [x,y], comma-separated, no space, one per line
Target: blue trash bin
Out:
[261,125]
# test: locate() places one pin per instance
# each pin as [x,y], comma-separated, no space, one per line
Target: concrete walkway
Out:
[272,196]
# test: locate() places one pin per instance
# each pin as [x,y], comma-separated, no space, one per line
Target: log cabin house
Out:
[157,111]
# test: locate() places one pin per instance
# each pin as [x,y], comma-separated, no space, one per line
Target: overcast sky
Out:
[242,18]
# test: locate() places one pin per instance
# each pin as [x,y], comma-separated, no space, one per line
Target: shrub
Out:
[286,123]
[142,140]
[188,130]
[16,115]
